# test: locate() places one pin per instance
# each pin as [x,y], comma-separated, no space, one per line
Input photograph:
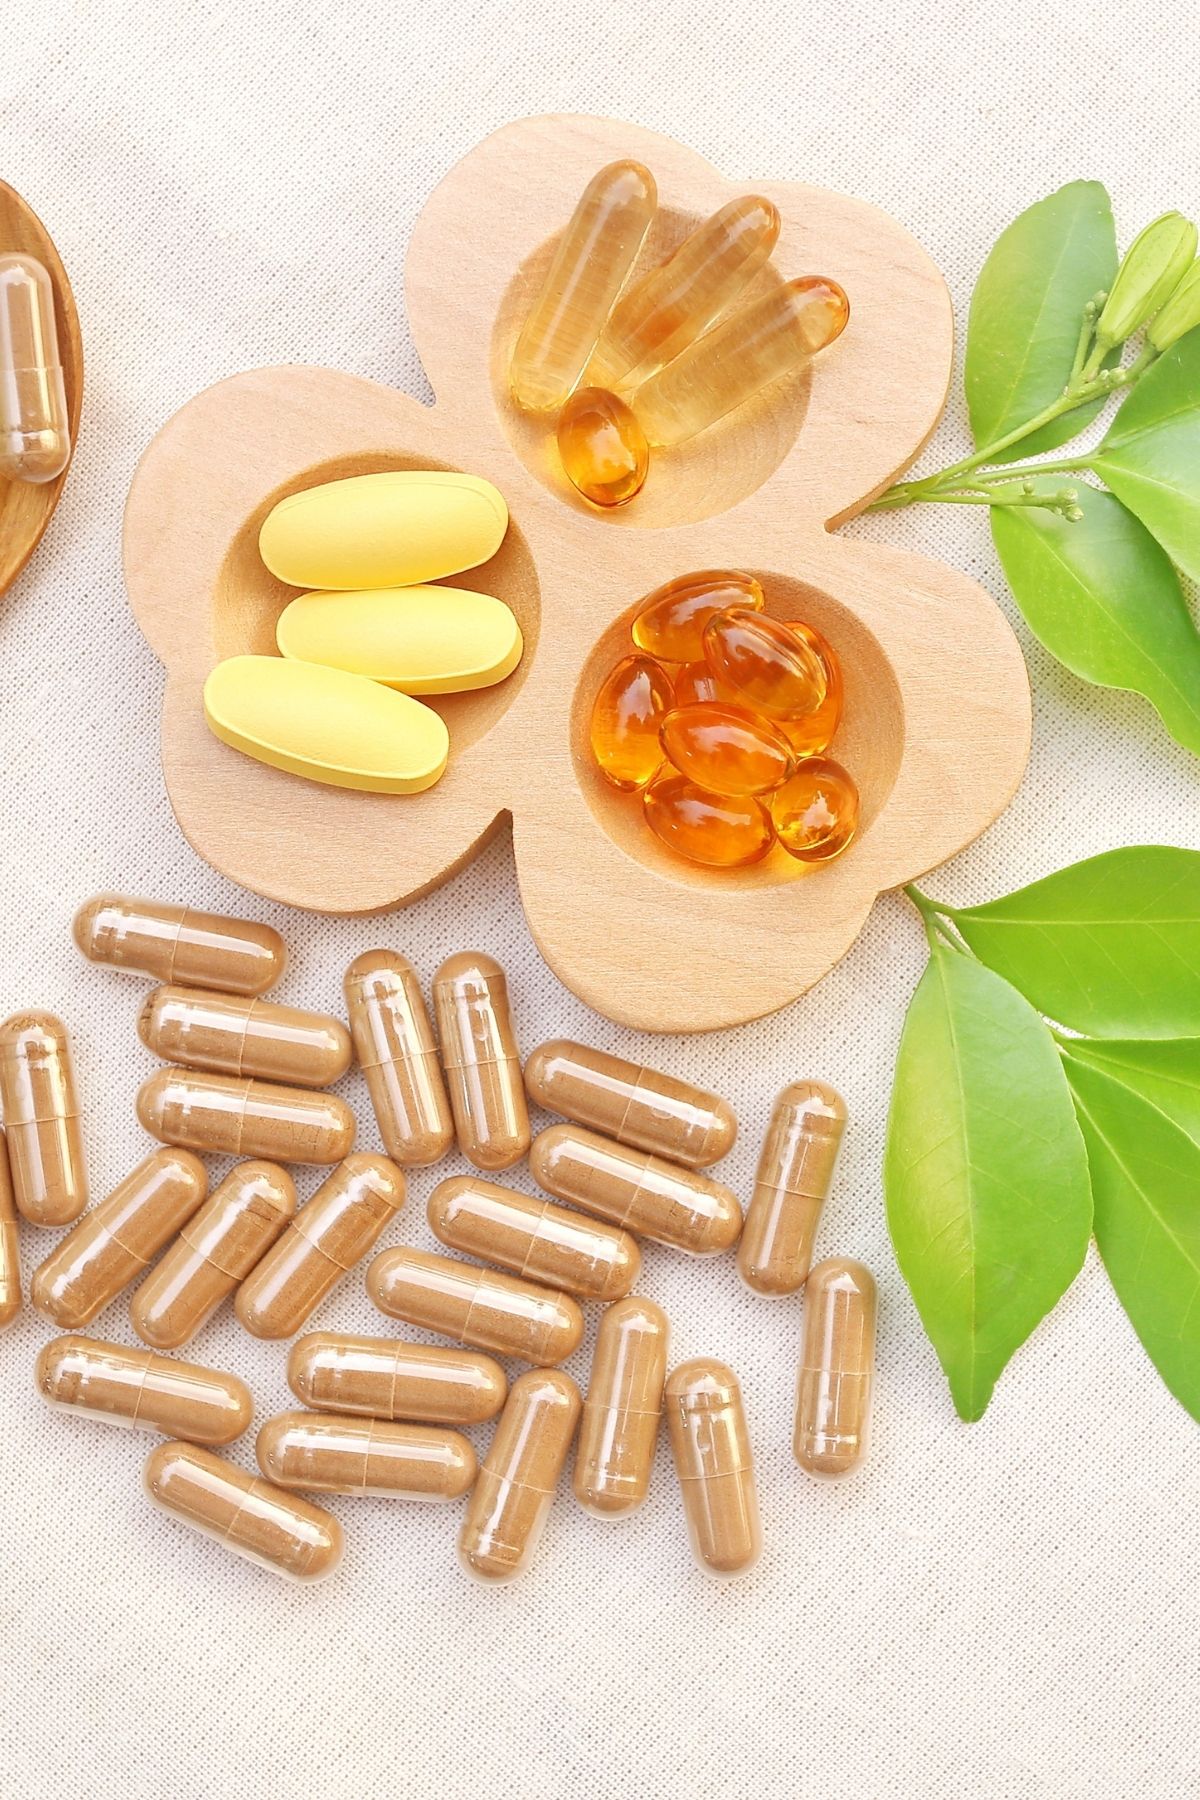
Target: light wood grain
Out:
[937,729]
[26,507]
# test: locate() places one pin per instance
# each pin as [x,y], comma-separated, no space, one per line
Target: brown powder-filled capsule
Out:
[837,1366]
[480,1057]
[216,1249]
[382,1378]
[226,1115]
[476,1306]
[143,1390]
[41,1117]
[117,1240]
[394,1043]
[636,1106]
[711,1446]
[645,1194]
[10,1249]
[327,1238]
[795,1172]
[176,944]
[365,1456]
[507,1512]
[534,1238]
[233,1034]
[276,1530]
[622,1408]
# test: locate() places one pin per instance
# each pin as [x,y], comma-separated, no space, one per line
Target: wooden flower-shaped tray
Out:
[937,701]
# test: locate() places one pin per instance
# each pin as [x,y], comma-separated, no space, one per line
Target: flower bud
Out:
[1180,313]
[1153,266]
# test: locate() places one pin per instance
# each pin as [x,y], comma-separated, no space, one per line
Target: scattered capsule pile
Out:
[379,1416]
[629,365]
[718,723]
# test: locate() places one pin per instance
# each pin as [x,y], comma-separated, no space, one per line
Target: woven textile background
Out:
[1005,1611]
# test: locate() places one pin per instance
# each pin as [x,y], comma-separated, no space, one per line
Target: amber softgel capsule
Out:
[10,1248]
[795,1172]
[232,1034]
[394,1043]
[602,447]
[627,716]
[382,1378]
[515,1490]
[481,1060]
[706,1424]
[719,831]
[482,1307]
[249,1516]
[638,1106]
[837,1367]
[143,1390]
[644,1194]
[622,1409]
[40,1108]
[225,1115]
[323,1454]
[179,945]
[669,624]
[534,1238]
[815,812]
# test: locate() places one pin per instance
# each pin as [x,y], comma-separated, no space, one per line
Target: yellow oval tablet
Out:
[422,640]
[379,531]
[326,725]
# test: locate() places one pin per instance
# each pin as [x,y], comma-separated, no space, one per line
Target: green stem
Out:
[1067,465]
[1086,333]
[935,925]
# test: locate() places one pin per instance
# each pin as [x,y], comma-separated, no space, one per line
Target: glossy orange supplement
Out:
[10,1248]
[670,307]
[142,1390]
[35,423]
[696,685]
[119,1238]
[726,750]
[533,1238]
[644,1194]
[795,1172]
[382,1378]
[720,831]
[816,812]
[622,1409]
[328,1237]
[670,622]
[812,733]
[749,349]
[179,946]
[637,1106]
[277,1530]
[508,1510]
[476,1306]
[40,1109]
[706,1424]
[235,1035]
[602,447]
[837,1368]
[627,714]
[481,1060]
[216,1249]
[587,271]
[323,1454]
[394,1043]
[769,668]
[225,1115]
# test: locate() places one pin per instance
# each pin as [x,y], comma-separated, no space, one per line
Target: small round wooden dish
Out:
[25,507]
[937,700]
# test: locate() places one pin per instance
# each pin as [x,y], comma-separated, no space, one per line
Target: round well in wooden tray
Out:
[937,701]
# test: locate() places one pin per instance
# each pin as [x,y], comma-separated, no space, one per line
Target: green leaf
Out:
[1110,946]
[1151,457]
[1104,599]
[1027,310]
[1145,1179]
[1165,1071]
[985,1173]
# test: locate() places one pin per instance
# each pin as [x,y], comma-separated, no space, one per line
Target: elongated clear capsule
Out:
[706,1424]
[382,1378]
[232,1034]
[476,1306]
[587,272]
[41,1115]
[480,1057]
[795,1172]
[35,429]
[322,1454]
[10,1249]
[394,1043]
[621,1412]
[178,945]
[251,1517]
[644,1194]
[837,1368]
[516,1486]
[224,1115]
[750,348]
[142,1390]
[637,1106]
[671,306]
[534,1238]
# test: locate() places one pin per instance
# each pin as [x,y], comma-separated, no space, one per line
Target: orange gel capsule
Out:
[232,1034]
[507,1512]
[619,1428]
[35,423]
[644,1194]
[726,749]
[10,1249]
[533,1238]
[837,1365]
[670,622]
[722,831]
[215,1250]
[769,669]
[323,1454]
[587,271]
[144,1391]
[179,946]
[711,1446]
[812,733]
[696,685]
[795,1172]
[383,1378]
[481,1060]
[476,1306]
[224,1115]
[268,1526]
[816,812]
[41,1115]
[602,446]
[670,307]
[627,714]
[394,1042]
[750,348]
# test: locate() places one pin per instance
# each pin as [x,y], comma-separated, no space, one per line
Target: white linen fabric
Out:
[1004,1611]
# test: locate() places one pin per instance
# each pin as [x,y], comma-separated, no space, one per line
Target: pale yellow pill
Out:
[422,640]
[326,725]
[381,531]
